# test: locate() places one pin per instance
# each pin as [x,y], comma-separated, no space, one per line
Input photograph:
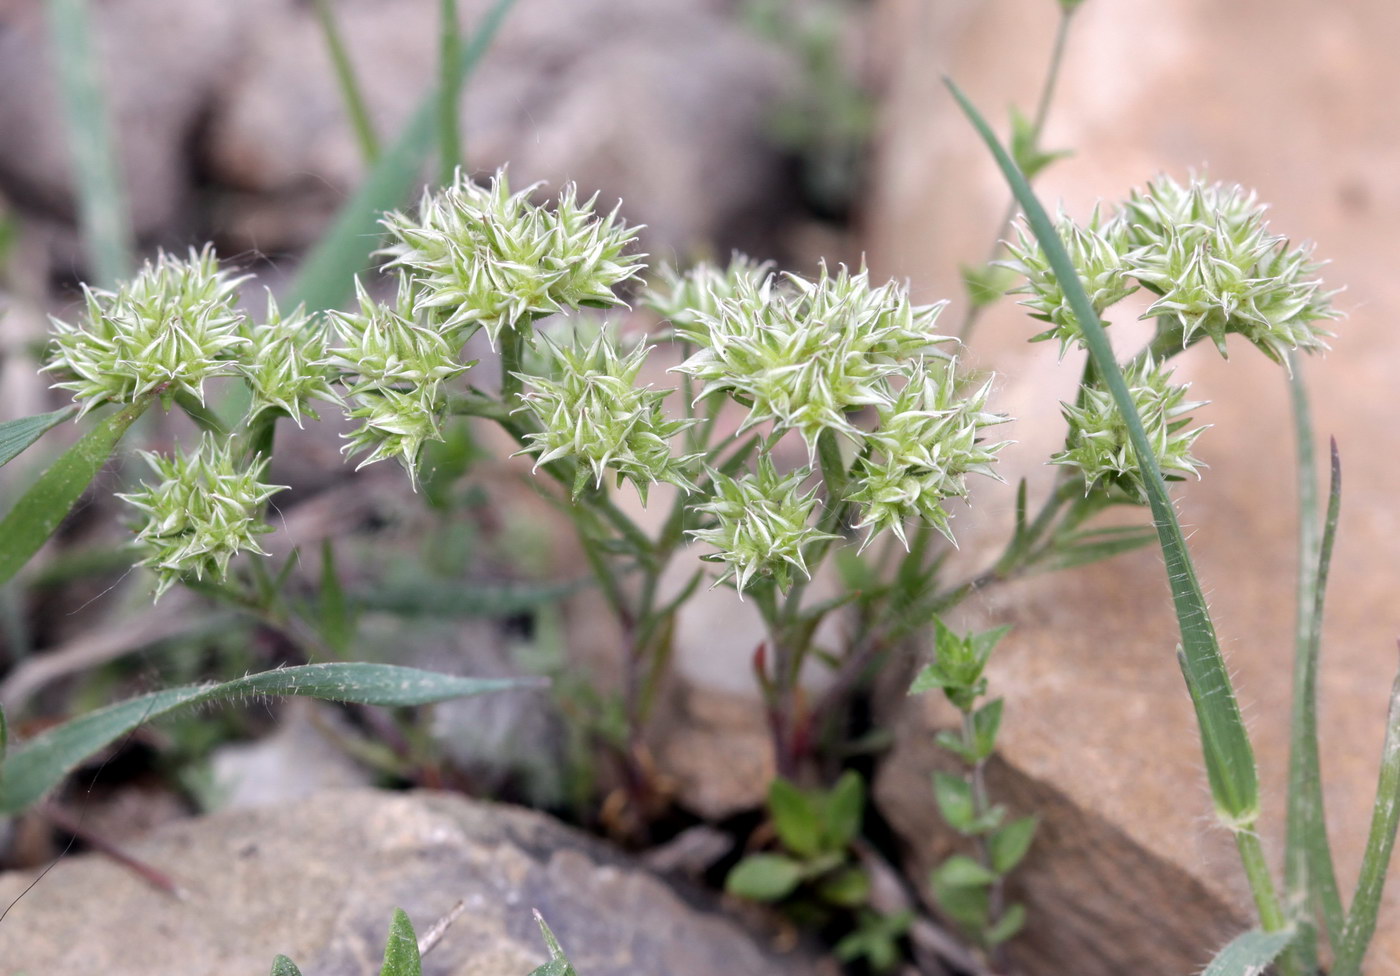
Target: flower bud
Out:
[593,412]
[761,525]
[166,330]
[202,512]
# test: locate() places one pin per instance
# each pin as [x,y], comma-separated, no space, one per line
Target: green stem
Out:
[449,135]
[1042,113]
[512,352]
[349,84]
[1261,884]
[981,804]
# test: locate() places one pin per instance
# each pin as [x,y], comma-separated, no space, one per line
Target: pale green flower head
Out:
[167,330]
[395,424]
[388,346]
[203,511]
[1098,443]
[1205,250]
[593,412]
[685,298]
[483,257]
[286,363]
[804,353]
[928,441]
[761,528]
[1097,250]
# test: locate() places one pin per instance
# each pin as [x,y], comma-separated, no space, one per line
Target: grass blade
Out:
[1309,873]
[324,278]
[102,214]
[1249,954]
[17,435]
[41,509]
[449,136]
[1380,844]
[349,84]
[1229,756]
[35,766]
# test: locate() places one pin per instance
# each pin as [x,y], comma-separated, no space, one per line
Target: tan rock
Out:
[1130,874]
[318,880]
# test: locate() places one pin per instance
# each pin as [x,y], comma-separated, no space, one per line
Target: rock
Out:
[1130,875]
[318,881]
[662,104]
[300,758]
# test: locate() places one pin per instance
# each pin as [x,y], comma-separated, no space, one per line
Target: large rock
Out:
[319,880]
[1130,874]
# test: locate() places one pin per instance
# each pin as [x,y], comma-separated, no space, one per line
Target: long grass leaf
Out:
[41,509]
[323,280]
[102,214]
[1229,756]
[1309,873]
[17,435]
[449,50]
[35,766]
[1380,845]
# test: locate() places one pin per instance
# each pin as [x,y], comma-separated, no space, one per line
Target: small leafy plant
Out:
[969,890]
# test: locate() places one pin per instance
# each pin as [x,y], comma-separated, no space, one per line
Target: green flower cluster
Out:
[592,411]
[483,257]
[1205,252]
[167,330]
[804,354]
[926,444]
[201,512]
[1098,443]
[286,363]
[393,362]
[761,524]
[687,298]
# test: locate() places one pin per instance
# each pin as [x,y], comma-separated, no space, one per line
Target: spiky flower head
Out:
[1207,253]
[395,423]
[286,363]
[928,441]
[592,410]
[391,346]
[805,353]
[1098,443]
[761,524]
[485,257]
[1097,250]
[203,511]
[684,298]
[167,330]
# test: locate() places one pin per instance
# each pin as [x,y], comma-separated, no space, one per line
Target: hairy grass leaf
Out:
[35,766]
[41,509]
[17,435]
[1249,954]
[282,966]
[1229,756]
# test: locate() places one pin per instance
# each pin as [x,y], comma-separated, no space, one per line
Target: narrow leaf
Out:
[1249,954]
[1229,757]
[558,964]
[401,950]
[1009,845]
[324,278]
[1012,920]
[92,152]
[337,616]
[1360,923]
[282,966]
[41,509]
[16,435]
[40,763]
[764,877]
[346,79]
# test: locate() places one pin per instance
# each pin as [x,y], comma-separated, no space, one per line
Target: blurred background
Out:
[793,130]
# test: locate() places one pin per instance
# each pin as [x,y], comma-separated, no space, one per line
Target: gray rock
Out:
[319,881]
